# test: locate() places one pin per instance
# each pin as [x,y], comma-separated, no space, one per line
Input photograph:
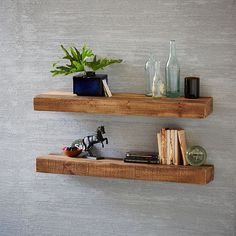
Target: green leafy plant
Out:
[80,61]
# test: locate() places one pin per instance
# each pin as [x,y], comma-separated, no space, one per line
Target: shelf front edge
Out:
[125,104]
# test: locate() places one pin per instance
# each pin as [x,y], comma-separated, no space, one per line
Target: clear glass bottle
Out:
[149,74]
[158,86]
[172,73]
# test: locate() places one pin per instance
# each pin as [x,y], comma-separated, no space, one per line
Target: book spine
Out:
[163,145]
[159,147]
[183,145]
[172,146]
[176,158]
[168,156]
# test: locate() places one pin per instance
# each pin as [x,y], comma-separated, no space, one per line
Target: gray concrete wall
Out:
[43,204]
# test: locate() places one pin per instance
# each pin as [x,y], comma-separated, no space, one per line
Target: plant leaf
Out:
[73,70]
[86,53]
[74,54]
[78,54]
[63,68]
[78,66]
[55,72]
[97,64]
[68,56]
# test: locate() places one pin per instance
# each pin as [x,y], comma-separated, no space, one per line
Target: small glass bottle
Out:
[149,74]
[158,86]
[172,73]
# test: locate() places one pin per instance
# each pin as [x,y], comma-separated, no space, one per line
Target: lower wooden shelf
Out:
[118,169]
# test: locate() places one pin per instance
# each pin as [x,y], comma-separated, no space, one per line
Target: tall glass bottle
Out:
[158,86]
[149,74]
[172,73]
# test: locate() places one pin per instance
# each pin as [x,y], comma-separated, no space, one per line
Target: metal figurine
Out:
[87,142]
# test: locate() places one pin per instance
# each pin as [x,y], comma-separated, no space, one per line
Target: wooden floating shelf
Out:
[125,104]
[118,169]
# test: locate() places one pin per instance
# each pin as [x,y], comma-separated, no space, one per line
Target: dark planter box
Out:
[89,84]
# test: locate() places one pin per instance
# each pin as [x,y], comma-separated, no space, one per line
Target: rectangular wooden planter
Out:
[118,169]
[125,104]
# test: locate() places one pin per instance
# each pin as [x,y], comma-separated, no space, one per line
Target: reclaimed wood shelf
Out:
[125,104]
[113,168]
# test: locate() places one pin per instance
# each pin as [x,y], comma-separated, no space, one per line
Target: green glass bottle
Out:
[172,73]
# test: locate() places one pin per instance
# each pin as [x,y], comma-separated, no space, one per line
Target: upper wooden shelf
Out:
[124,104]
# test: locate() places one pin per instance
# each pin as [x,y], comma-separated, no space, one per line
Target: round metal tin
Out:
[196,155]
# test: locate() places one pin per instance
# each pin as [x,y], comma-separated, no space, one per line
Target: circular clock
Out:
[196,155]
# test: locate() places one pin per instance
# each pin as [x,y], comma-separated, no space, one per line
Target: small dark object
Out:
[87,142]
[89,84]
[142,157]
[191,87]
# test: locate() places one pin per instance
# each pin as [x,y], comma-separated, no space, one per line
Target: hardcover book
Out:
[183,145]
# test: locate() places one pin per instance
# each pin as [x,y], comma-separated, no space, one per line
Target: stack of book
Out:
[172,146]
[142,157]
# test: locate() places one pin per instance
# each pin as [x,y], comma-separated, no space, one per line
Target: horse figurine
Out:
[87,142]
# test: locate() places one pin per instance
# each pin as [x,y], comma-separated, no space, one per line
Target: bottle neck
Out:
[157,66]
[172,49]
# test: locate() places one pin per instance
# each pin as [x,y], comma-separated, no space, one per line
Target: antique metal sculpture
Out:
[88,142]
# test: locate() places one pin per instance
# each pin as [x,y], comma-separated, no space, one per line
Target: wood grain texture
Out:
[119,169]
[125,104]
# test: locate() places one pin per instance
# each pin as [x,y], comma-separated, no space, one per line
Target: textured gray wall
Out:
[43,204]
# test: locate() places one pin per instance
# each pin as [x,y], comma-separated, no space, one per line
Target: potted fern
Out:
[86,63]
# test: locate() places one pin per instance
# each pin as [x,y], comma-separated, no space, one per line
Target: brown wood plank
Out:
[125,104]
[118,169]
